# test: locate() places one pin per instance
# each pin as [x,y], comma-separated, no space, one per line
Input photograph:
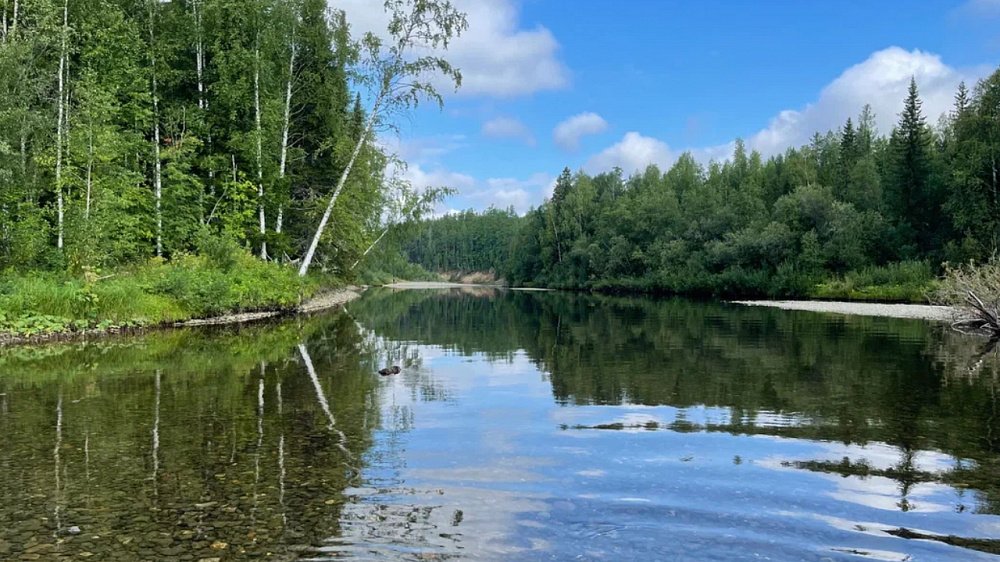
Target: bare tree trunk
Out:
[286,125]
[199,55]
[90,170]
[157,172]
[307,261]
[13,27]
[3,37]
[260,162]
[59,128]
[377,240]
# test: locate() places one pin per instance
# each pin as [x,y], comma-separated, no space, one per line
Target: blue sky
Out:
[595,84]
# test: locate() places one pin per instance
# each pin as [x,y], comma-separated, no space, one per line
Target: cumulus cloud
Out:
[567,134]
[422,179]
[633,152]
[512,192]
[496,56]
[881,80]
[507,128]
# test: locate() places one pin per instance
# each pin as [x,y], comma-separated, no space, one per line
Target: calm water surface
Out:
[525,426]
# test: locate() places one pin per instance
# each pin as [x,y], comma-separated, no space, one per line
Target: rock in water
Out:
[74,530]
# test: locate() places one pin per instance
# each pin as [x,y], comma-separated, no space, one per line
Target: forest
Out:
[163,160]
[856,213]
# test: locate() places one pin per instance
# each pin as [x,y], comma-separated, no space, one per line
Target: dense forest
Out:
[855,205]
[199,155]
[137,128]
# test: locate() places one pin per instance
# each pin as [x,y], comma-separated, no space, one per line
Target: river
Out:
[523,426]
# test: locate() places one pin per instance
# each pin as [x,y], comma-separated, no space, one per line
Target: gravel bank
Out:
[919,311]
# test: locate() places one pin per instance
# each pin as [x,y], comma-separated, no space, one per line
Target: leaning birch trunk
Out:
[157,178]
[286,125]
[370,248]
[260,164]
[59,127]
[343,180]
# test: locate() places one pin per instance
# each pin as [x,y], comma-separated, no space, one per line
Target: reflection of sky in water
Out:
[499,471]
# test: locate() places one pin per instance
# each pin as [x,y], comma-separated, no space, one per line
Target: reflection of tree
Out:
[127,424]
[852,379]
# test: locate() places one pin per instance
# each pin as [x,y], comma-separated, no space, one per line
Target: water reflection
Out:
[524,426]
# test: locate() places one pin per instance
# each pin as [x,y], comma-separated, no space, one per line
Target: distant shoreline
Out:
[448,285]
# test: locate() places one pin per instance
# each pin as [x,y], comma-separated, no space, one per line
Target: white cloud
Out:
[507,128]
[512,192]
[567,134]
[634,152]
[881,80]
[496,56]
[422,179]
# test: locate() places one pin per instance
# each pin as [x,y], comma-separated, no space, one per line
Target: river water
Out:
[524,426]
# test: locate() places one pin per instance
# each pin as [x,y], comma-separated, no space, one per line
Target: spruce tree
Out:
[912,197]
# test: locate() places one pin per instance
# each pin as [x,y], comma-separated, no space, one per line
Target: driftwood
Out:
[975,289]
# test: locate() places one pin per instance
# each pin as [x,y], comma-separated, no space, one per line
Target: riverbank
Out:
[226,287]
[916,311]
[325,300]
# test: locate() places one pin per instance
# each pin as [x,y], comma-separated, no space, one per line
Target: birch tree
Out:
[400,80]
[157,165]
[405,205]
[61,103]
[286,120]
[258,140]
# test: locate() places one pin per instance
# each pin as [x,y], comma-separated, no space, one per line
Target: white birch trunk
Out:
[13,27]
[90,171]
[199,55]
[286,126]
[260,163]
[340,184]
[157,172]
[59,128]
[3,39]
[370,248]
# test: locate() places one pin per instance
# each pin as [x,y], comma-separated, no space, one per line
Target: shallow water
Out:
[525,426]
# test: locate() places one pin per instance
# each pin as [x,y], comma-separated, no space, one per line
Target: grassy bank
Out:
[158,292]
[904,282]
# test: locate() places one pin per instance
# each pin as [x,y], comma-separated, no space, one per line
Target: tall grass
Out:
[189,286]
[908,281]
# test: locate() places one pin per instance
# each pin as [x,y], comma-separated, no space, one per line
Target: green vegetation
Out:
[190,286]
[141,142]
[853,214]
